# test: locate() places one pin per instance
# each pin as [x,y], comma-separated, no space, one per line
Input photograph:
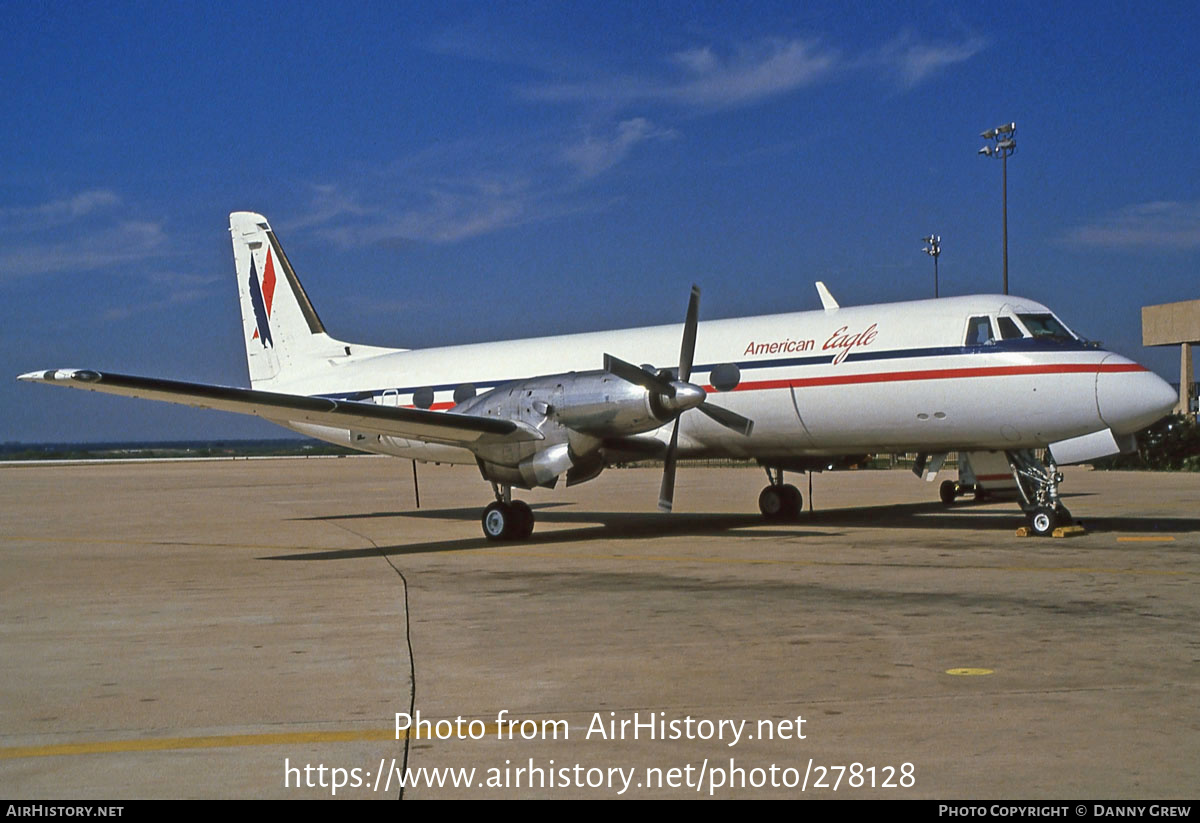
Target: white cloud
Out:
[328,202]
[915,61]
[56,212]
[448,213]
[752,72]
[126,242]
[1162,224]
[755,72]
[702,78]
[594,155]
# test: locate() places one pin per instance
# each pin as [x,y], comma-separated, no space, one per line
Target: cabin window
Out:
[725,377]
[1009,330]
[979,331]
[423,398]
[464,392]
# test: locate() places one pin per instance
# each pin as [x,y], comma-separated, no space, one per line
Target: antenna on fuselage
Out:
[827,300]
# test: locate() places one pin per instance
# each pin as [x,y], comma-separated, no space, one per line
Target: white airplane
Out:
[992,377]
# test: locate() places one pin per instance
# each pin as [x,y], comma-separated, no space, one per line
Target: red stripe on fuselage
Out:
[934,374]
[902,376]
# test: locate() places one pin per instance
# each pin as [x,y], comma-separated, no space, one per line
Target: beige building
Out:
[1175,324]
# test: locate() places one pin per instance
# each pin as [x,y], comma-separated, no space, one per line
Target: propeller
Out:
[674,397]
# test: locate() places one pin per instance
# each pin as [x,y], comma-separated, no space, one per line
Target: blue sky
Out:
[453,172]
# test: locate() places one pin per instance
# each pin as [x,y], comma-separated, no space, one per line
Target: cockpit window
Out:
[1009,330]
[979,331]
[1046,326]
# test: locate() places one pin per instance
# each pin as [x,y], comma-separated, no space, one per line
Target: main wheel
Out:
[770,502]
[780,502]
[499,521]
[948,491]
[793,502]
[523,527]
[1043,520]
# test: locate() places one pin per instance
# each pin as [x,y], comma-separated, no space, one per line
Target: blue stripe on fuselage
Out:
[1023,344]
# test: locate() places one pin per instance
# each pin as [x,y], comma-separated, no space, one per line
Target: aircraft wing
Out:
[413,424]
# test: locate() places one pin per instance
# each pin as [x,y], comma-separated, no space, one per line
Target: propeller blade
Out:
[637,376]
[728,419]
[666,492]
[687,351]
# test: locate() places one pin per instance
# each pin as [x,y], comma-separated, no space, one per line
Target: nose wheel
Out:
[1038,485]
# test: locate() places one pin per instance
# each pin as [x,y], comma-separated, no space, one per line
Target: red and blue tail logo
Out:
[261,298]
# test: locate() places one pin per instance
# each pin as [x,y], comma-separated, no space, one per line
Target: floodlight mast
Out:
[933,250]
[1003,144]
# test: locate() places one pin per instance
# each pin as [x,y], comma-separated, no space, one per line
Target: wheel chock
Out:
[1061,531]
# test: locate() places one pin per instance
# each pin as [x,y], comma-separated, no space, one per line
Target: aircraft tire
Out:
[793,502]
[770,502]
[499,521]
[1042,521]
[780,502]
[523,527]
[947,492]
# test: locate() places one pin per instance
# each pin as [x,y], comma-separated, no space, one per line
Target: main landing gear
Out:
[779,501]
[950,490]
[507,519]
[1038,486]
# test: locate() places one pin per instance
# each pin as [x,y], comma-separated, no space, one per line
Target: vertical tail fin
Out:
[285,339]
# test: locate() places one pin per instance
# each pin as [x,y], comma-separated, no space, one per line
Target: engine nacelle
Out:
[576,412]
[542,469]
[604,405]
[596,403]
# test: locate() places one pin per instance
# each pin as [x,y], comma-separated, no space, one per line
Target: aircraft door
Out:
[798,402]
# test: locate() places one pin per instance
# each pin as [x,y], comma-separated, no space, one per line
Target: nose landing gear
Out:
[1038,486]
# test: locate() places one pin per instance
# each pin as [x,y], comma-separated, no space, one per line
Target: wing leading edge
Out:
[413,424]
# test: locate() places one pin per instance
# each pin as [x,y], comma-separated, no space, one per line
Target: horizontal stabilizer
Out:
[414,424]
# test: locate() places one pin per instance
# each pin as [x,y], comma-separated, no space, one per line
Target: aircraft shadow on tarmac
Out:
[591,526]
[931,516]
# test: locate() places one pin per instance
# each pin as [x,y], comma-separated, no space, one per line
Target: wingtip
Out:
[52,375]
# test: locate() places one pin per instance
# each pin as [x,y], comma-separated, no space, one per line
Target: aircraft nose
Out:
[1129,397]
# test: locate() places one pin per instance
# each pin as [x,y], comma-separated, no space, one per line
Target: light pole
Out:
[933,250]
[1003,144]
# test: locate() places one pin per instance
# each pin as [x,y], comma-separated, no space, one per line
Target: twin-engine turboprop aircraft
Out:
[989,376]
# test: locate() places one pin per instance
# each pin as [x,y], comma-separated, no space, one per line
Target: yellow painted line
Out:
[1145,539]
[220,741]
[969,672]
[223,741]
